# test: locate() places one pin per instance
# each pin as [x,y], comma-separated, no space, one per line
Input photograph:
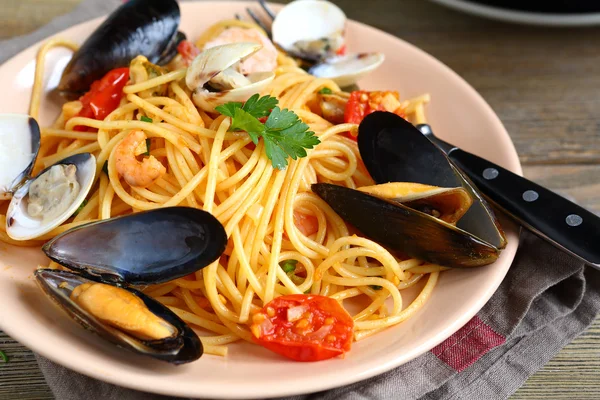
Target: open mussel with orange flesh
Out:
[145,248]
[138,27]
[393,150]
[418,232]
[421,202]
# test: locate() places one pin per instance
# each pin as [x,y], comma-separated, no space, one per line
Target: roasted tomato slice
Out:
[362,103]
[304,327]
[104,96]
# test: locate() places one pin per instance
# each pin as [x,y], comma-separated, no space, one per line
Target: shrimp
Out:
[264,60]
[136,173]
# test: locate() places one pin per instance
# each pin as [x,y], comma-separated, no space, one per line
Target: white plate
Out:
[523,17]
[458,114]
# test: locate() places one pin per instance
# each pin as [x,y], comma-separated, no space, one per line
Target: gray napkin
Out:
[545,301]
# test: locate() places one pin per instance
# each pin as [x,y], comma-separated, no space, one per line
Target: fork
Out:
[257,20]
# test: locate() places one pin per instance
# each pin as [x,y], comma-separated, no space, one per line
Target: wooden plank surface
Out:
[542,82]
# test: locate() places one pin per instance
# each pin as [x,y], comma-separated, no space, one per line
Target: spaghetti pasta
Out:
[270,216]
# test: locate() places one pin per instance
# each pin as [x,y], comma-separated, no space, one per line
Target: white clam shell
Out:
[209,100]
[347,70]
[307,20]
[21,226]
[212,61]
[19,144]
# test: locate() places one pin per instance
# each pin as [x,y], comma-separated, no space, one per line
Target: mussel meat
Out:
[447,204]
[138,27]
[215,78]
[393,150]
[107,257]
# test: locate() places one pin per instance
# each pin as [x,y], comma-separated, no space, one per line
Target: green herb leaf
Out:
[3,356]
[288,265]
[228,109]
[244,121]
[325,90]
[287,136]
[284,134]
[105,167]
[145,119]
[260,107]
[83,204]
[376,287]
[147,153]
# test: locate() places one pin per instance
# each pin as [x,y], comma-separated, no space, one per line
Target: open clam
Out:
[138,27]
[139,249]
[314,31]
[448,224]
[215,79]
[310,29]
[38,204]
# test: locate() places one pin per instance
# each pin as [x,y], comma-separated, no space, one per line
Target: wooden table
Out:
[543,83]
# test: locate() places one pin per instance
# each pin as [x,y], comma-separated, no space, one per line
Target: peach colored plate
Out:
[459,116]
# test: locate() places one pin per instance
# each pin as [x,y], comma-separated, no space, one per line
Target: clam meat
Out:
[42,203]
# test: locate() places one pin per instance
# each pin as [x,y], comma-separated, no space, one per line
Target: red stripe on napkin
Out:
[468,344]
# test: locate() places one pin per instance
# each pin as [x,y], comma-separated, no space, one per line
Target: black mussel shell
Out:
[183,347]
[171,50]
[144,248]
[138,27]
[393,150]
[401,228]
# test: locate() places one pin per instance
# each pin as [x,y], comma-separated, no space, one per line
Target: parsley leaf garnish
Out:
[284,134]
[145,119]
[260,107]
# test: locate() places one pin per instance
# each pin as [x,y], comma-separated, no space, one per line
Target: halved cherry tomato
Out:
[104,96]
[363,103]
[188,51]
[303,327]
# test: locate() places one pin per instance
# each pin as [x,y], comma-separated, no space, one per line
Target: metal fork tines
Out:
[257,20]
